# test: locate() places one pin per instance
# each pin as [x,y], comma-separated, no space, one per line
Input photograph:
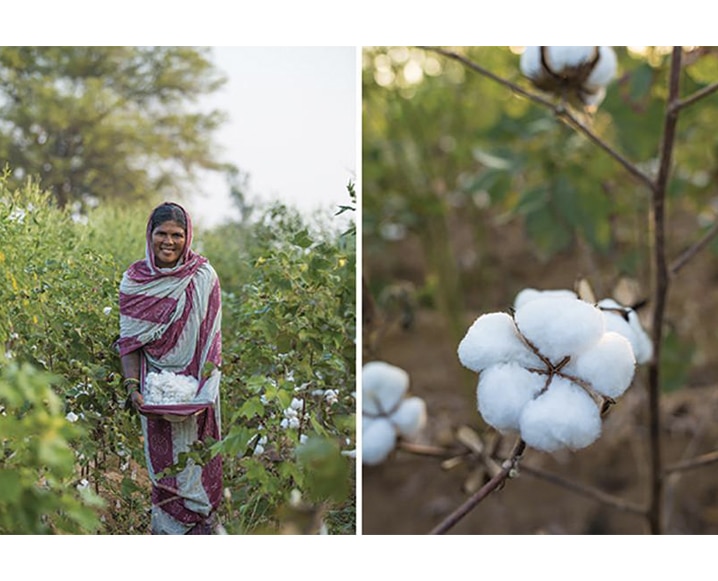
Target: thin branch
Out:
[688,254]
[661,281]
[559,110]
[506,469]
[704,460]
[584,490]
[697,96]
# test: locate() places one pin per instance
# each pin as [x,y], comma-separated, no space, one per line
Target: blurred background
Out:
[472,193]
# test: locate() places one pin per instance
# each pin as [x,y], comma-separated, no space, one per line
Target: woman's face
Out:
[168,242]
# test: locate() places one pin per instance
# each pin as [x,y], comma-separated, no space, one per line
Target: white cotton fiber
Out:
[560,326]
[529,294]
[608,365]
[167,388]
[503,392]
[530,62]
[631,329]
[383,386]
[605,69]
[378,440]
[493,339]
[564,416]
[410,418]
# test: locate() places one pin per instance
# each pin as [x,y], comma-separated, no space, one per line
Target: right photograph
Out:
[539,297]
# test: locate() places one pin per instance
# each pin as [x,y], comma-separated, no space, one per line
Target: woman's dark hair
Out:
[165,212]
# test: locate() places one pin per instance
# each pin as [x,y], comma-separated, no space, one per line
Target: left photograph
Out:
[177,290]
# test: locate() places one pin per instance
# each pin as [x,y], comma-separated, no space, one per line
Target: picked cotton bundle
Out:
[167,388]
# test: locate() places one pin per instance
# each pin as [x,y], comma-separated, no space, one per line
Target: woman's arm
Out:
[131,373]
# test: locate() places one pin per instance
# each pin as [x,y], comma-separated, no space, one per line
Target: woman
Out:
[170,317]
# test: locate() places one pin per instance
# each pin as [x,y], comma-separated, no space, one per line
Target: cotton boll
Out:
[493,339]
[562,59]
[564,416]
[605,69]
[608,365]
[383,386]
[593,98]
[530,62]
[410,417]
[529,294]
[378,440]
[560,326]
[631,329]
[503,392]
[643,348]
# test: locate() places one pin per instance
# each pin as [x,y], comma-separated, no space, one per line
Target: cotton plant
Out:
[388,412]
[582,72]
[546,372]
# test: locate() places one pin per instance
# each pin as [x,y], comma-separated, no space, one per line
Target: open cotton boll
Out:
[559,326]
[608,365]
[493,339]
[503,392]
[564,416]
[561,59]
[383,386]
[643,348]
[410,417]
[378,440]
[529,294]
[631,329]
[605,69]
[530,62]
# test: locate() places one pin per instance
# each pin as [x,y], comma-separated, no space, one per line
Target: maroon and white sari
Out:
[173,317]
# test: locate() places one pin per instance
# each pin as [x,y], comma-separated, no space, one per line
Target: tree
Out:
[99,122]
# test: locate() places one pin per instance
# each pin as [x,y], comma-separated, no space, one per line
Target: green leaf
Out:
[10,487]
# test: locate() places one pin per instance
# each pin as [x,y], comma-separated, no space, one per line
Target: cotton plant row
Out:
[546,371]
[571,71]
[388,412]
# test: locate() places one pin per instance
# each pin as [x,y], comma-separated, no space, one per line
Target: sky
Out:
[292,127]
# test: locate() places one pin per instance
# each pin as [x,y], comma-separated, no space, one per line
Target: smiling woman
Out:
[170,322]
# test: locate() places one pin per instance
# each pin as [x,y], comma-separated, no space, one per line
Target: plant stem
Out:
[687,255]
[661,280]
[704,460]
[700,94]
[588,491]
[456,516]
